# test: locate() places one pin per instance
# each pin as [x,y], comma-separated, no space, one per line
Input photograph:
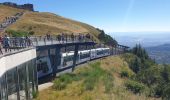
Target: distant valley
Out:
[157,44]
[160,53]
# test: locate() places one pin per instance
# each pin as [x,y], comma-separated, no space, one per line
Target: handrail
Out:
[11,44]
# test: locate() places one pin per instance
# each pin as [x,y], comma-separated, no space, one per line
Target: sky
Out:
[111,15]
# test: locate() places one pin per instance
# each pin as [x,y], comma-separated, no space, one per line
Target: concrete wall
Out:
[13,60]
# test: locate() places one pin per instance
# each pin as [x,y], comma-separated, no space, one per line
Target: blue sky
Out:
[111,15]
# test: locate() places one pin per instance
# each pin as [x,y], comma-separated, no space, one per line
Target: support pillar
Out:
[75,56]
[55,60]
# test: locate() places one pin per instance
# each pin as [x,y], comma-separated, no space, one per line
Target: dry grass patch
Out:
[7,11]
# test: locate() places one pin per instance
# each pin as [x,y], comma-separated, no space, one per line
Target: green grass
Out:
[108,82]
[90,76]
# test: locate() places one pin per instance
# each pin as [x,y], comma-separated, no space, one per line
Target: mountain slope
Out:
[6,11]
[43,22]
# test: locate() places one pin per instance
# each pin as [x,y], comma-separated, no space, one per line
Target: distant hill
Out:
[43,22]
[160,53]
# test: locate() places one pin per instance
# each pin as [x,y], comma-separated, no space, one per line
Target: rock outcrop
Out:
[29,7]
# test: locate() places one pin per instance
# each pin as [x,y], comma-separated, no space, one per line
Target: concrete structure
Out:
[18,77]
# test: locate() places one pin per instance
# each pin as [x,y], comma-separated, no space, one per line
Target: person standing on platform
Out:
[62,37]
[72,37]
[6,43]
[59,37]
[1,46]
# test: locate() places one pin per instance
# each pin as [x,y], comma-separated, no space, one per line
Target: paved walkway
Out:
[44,86]
[12,51]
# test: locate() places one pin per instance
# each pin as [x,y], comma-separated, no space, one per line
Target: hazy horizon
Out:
[146,39]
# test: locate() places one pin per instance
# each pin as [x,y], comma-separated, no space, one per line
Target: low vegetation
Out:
[155,77]
[106,39]
[14,33]
[105,79]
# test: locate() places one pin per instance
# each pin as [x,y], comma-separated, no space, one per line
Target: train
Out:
[44,66]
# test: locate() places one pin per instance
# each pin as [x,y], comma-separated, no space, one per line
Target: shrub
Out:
[134,86]
[61,82]
[34,94]
[124,74]
[58,85]
[17,33]
[31,33]
[166,92]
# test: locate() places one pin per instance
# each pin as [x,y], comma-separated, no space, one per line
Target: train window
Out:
[83,56]
[68,58]
[99,52]
[42,66]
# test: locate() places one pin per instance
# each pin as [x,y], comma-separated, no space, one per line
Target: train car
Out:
[83,56]
[106,51]
[44,67]
[66,59]
[99,52]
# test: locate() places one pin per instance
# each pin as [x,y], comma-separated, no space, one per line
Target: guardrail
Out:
[12,44]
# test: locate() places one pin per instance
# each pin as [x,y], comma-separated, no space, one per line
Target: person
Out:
[72,37]
[59,37]
[66,37]
[80,37]
[88,36]
[6,43]
[62,37]
[1,47]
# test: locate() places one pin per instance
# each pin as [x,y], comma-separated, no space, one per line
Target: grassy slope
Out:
[43,22]
[74,90]
[6,11]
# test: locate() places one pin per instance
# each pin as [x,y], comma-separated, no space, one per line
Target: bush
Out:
[17,33]
[34,94]
[31,33]
[124,74]
[58,85]
[61,82]
[134,86]
[166,92]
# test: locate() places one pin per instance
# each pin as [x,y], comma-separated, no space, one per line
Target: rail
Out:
[14,44]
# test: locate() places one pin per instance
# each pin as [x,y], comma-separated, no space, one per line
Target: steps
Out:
[9,20]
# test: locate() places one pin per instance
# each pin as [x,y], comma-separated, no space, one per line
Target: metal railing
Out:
[13,44]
